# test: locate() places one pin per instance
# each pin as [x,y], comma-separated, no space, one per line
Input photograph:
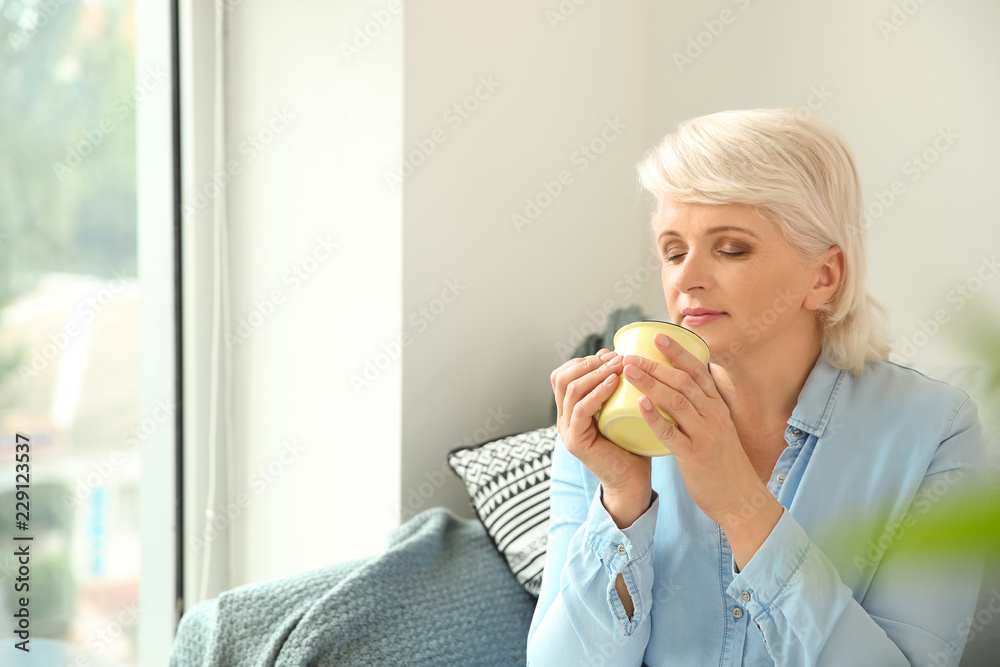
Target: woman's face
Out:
[730,276]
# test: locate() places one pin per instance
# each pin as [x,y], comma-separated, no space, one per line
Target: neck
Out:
[761,387]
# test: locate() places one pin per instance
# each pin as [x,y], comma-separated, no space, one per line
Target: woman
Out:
[732,551]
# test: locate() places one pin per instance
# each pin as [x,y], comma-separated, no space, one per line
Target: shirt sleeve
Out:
[579,617]
[917,607]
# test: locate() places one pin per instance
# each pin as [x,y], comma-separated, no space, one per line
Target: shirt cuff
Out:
[628,552]
[618,546]
[763,578]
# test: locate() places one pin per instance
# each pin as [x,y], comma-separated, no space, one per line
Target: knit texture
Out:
[439,595]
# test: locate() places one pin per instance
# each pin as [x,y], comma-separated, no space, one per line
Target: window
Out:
[69,317]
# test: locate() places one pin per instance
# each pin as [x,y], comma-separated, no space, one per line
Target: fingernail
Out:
[662,339]
[646,404]
[607,355]
[633,372]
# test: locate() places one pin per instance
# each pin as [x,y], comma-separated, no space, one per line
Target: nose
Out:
[694,272]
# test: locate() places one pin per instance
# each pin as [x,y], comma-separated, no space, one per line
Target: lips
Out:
[700,311]
[695,317]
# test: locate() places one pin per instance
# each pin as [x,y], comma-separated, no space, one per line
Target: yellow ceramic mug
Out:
[619,419]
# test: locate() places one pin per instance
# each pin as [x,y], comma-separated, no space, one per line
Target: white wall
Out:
[319,177]
[526,283]
[376,456]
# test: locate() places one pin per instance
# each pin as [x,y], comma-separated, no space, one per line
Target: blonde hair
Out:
[799,173]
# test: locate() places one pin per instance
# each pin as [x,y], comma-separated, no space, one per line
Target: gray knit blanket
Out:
[439,595]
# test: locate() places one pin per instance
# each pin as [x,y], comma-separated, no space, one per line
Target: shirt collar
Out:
[817,398]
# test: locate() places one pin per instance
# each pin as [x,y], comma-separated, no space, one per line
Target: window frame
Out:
[158,217]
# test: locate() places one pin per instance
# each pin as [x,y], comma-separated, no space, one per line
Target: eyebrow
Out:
[712,230]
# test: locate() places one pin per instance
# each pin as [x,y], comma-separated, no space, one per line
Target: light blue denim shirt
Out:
[868,457]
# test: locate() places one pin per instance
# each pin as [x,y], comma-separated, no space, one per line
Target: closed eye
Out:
[670,259]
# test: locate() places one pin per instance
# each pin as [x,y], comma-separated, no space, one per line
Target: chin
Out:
[719,342]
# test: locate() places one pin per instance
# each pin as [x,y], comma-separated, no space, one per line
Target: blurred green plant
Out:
[972,520]
[65,68]
[61,80]
[979,333]
[967,518]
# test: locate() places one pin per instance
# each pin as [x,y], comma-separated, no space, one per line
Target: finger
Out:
[666,385]
[579,388]
[678,403]
[582,413]
[571,371]
[665,430]
[685,361]
[609,462]
[570,364]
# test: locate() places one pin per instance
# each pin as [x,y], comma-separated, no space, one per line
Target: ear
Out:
[828,276]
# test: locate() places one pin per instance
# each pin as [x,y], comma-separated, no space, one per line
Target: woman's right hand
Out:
[581,386]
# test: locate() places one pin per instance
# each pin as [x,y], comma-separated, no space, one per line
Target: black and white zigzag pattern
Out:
[508,482]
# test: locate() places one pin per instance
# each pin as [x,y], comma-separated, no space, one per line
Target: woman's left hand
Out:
[716,470]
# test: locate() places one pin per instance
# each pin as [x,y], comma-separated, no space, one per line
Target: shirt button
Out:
[746,596]
[621,550]
[781,478]
[796,432]
[737,613]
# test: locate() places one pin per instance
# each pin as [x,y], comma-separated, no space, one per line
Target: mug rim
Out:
[648,321]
